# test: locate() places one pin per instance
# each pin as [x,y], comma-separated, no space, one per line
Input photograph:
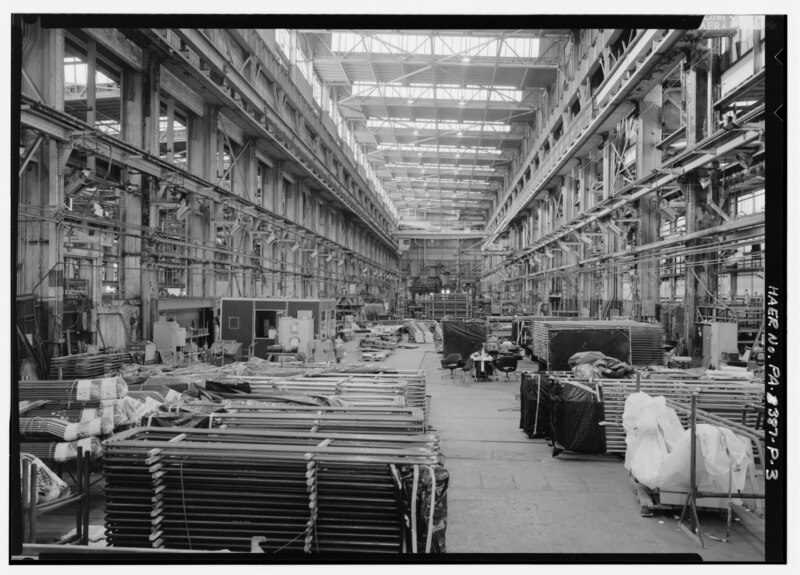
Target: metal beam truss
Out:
[632,72]
[715,146]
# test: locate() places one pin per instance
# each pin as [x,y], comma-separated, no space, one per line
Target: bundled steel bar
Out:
[60,452]
[87,365]
[343,388]
[645,341]
[207,489]
[59,428]
[73,390]
[323,421]
[76,413]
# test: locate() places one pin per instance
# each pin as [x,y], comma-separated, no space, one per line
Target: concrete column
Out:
[648,159]
[151,104]
[202,163]
[138,279]
[91,91]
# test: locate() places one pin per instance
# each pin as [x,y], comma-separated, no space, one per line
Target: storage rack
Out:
[437,306]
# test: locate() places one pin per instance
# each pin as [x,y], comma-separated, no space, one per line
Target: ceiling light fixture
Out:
[410,101]
[744,160]
[459,134]
[329,257]
[314,254]
[462,103]
[465,59]
[295,246]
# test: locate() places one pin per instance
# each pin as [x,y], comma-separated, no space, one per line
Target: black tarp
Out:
[534,395]
[613,342]
[462,337]
[575,414]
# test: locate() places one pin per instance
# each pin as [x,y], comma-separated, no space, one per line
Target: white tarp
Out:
[659,449]
[722,460]
[653,430]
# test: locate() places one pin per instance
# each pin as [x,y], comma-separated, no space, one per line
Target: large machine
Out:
[291,323]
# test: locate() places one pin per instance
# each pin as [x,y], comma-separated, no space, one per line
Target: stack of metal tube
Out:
[309,492]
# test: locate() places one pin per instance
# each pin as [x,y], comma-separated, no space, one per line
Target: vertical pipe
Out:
[79,488]
[26,501]
[87,475]
[33,497]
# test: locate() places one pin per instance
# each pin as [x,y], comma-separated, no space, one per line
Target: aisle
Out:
[509,495]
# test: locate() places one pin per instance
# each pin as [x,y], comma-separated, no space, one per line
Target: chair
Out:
[506,364]
[451,362]
[469,365]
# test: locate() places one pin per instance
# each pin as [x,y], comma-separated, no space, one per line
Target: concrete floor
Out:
[508,495]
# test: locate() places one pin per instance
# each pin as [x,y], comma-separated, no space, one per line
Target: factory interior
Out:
[366,293]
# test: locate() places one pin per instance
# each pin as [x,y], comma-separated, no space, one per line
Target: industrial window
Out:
[283,39]
[173,137]
[750,203]
[106,112]
[672,227]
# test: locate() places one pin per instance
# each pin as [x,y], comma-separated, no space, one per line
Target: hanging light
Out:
[295,246]
[314,254]
[272,237]
[329,257]
[744,160]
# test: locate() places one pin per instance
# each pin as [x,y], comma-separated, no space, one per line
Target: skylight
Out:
[451,92]
[405,123]
[466,48]
[464,150]
[440,167]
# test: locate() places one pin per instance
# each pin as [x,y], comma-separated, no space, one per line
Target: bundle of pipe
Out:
[343,388]
[156,395]
[73,390]
[415,334]
[414,380]
[60,452]
[727,399]
[78,413]
[59,428]
[87,365]
[184,488]
[325,420]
